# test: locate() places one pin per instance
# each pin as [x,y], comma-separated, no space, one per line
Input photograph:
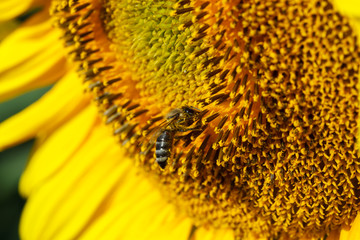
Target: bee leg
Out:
[192,233]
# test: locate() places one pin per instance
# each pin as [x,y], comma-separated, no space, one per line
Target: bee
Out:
[177,120]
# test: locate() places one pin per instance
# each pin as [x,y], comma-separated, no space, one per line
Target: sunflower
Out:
[186,119]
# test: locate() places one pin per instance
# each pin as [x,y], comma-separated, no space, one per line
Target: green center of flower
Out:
[273,148]
[147,40]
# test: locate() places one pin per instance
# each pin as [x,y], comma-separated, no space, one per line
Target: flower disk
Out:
[274,151]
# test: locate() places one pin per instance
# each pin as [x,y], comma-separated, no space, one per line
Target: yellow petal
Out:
[61,206]
[348,7]
[137,211]
[97,194]
[58,147]
[12,8]
[60,103]
[32,57]
[179,229]
[151,214]
[353,232]
[208,233]
[7,27]
[29,35]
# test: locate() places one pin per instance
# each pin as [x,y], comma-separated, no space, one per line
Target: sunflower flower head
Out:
[272,150]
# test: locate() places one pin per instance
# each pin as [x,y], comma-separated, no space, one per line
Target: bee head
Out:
[190,111]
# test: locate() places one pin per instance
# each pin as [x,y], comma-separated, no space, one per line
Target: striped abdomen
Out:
[163,147]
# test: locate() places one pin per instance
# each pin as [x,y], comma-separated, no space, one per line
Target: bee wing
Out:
[155,134]
[157,130]
[149,142]
[174,113]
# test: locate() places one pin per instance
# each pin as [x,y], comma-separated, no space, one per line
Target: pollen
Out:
[274,150]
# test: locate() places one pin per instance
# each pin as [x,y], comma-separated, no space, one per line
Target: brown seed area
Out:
[275,151]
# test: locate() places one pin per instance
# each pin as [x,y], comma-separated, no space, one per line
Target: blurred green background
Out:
[12,163]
